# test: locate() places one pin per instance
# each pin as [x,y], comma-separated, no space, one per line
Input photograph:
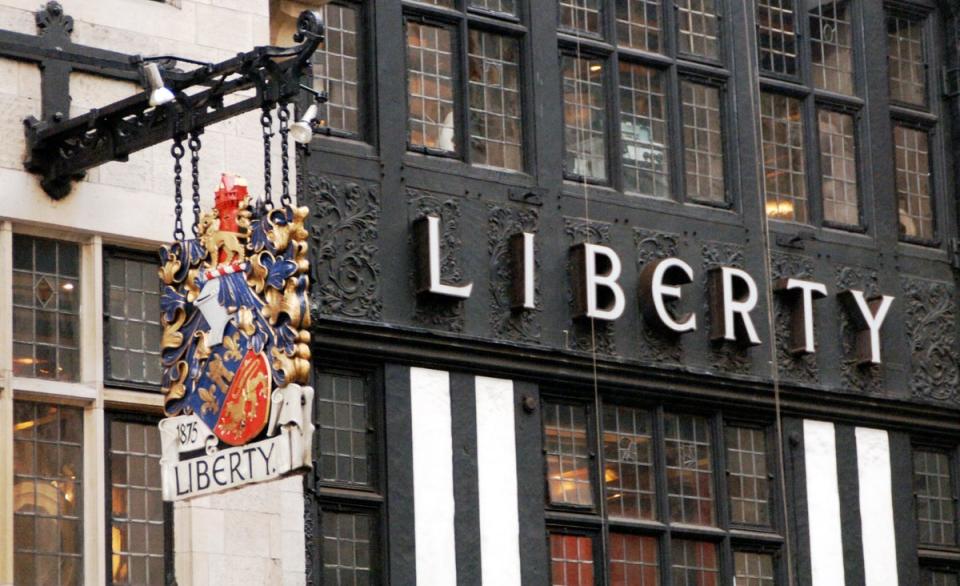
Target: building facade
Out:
[624,292]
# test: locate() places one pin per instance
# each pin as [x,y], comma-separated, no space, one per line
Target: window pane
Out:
[694,563]
[136,519]
[831,46]
[336,68]
[777,36]
[134,322]
[443,3]
[689,469]
[753,569]
[47,497]
[699,28]
[47,306]
[584,118]
[633,560]
[495,106]
[906,60]
[430,87]
[628,462]
[639,24]
[747,476]
[938,578]
[702,142]
[571,560]
[933,487]
[581,15]
[838,162]
[568,454]
[783,164]
[643,130]
[342,421]
[349,547]
[912,151]
[505,6]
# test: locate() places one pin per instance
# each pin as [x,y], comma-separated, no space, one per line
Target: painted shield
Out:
[246,407]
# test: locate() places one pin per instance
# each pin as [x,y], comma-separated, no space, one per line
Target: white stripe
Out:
[823,503]
[876,508]
[497,472]
[433,502]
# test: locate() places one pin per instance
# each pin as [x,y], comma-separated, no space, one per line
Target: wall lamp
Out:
[302,130]
[159,93]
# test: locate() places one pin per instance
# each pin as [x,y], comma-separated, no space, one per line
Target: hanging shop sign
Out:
[598,293]
[235,346]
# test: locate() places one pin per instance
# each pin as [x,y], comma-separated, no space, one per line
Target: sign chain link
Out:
[266,121]
[177,152]
[284,117]
[194,144]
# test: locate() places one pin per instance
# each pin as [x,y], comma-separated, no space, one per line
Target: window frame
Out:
[111,415]
[726,535]
[932,556]
[117,252]
[675,67]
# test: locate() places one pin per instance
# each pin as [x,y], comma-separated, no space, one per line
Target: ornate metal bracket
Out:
[61,151]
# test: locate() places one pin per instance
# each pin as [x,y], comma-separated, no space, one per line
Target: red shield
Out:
[247,404]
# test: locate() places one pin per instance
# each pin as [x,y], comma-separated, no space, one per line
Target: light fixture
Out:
[302,131]
[159,93]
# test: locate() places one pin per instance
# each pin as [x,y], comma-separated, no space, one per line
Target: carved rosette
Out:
[932,332]
[724,355]
[868,378]
[581,335]
[502,223]
[434,311]
[803,367]
[344,234]
[651,246]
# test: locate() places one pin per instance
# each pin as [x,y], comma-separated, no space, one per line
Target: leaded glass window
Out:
[938,578]
[349,547]
[47,494]
[496,138]
[336,68]
[133,322]
[933,486]
[695,563]
[571,560]
[783,157]
[906,60]
[568,454]
[753,569]
[584,118]
[343,429]
[581,15]
[914,192]
[699,28]
[628,463]
[643,131]
[634,560]
[689,469]
[831,46]
[430,91]
[639,24]
[703,142]
[838,167]
[747,476]
[46,308]
[136,532]
[504,6]
[777,36]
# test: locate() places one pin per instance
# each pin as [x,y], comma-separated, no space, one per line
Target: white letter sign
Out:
[868,316]
[733,294]
[596,293]
[659,281]
[427,237]
[801,318]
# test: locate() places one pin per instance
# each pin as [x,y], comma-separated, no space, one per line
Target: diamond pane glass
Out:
[747,476]
[933,487]
[783,162]
[753,569]
[912,162]
[777,36]
[46,300]
[47,494]
[639,25]
[699,28]
[343,425]
[831,46]
[906,60]
[495,105]
[336,68]
[568,454]
[628,462]
[694,563]
[643,130]
[689,469]
[702,142]
[838,167]
[584,118]
[430,87]
[571,560]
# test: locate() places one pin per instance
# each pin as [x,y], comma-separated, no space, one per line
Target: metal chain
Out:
[177,152]
[194,144]
[284,116]
[266,121]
